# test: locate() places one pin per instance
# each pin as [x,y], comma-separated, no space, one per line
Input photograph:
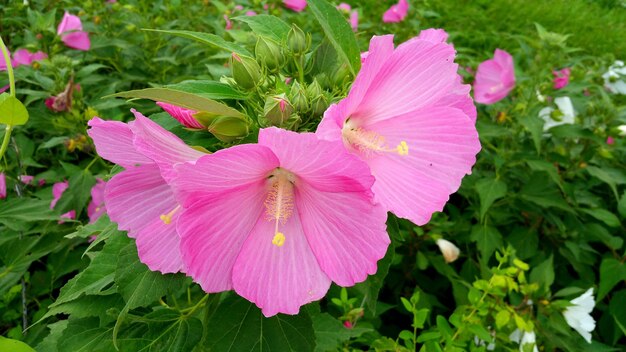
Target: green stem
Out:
[9,128]
[5,141]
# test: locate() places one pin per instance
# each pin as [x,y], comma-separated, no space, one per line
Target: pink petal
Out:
[425,71]
[160,145]
[460,98]
[114,142]
[69,23]
[295,5]
[443,144]
[96,206]
[135,199]
[213,229]
[354,20]
[22,57]
[77,40]
[433,35]
[3,185]
[495,78]
[57,191]
[226,169]
[27,179]
[184,116]
[324,165]
[397,12]
[40,55]
[346,232]
[279,279]
[3,62]
[344,7]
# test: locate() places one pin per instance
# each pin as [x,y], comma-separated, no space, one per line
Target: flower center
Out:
[369,142]
[279,202]
[167,218]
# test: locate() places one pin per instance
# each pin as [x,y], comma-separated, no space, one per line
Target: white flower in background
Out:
[615,78]
[523,338]
[490,347]
[578,314]
[540,97]
[448,249]
[565,113]
[622,130]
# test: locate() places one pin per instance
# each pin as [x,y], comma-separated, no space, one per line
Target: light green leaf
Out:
[339,33]
[14,345]
[489,190]
[238,325]
[182,99]
[12,111]
[207,38]
[267,25]
[209,90]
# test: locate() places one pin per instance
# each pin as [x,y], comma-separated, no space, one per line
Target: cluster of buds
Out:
[80,143]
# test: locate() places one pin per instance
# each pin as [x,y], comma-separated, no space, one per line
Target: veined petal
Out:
[224,170]
[158,246]
[346,232]
[213,230]
[184,116]
[114,142]
[443,143]
[69,23]
[322,164]
[160,145]
[279,279]
[77,40]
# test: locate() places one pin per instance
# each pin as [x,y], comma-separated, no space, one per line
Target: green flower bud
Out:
[298,97]
[297,42]
[340,75]
[269,53]
[224,128]
[277,110]
[246,71]
[314,90]
[319,105]
[556,115]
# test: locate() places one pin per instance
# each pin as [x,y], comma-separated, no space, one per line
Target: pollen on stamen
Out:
[403,148]
[365,141]
[279,202]
[167,218]
[279,239]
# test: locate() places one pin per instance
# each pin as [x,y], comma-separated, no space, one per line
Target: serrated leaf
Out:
[86,335]
[12,111]
[207,38]
[489,190]
[182,99]
[238,325]
[487,239]
[267,25]
[89,306]
[330,334]
[50,342]
[338,32]
[23,210]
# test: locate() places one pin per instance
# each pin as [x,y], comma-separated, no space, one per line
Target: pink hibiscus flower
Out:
[561,77]
[71,32]
[279,220]
[402,117]
[495,78]
[26,179]
[354,15]
[96,206]
[295,5]
[3,61]
[57,191]
[25,57]
[184,116]
[397,12]
[3,185]
[139,199]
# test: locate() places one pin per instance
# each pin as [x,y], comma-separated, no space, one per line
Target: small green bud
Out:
[341,74]
[314,89]
[246,71]
[269,53]
[556,115]
[319,105]
[297,42]
[298,97]
[224,128]
[277,110]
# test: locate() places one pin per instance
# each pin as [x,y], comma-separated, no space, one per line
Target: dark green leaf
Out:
[489,190]
[267,25]
[330,334]
[612,271]
[543,274]
[603,215]
[487,239]
[209,89]
[207,38]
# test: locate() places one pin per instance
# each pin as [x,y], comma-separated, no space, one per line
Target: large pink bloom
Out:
[184,116]
[71,32]
[404,117]
[397,12]
[561,77]
[495,78]
[96,206]
[279,220]
[57,191]
[139,199]
[295,5]
[25,57]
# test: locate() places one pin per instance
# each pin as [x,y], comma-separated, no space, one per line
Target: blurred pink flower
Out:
[404,117]
[229,24]
[184,116]
[57,191]
[25,57]
[561,78]
[397,12]
[281,218]
[344,7]
[3,62]
[3,185]
[250,13]
[495,78]
[610,140]
[71,32]
[96,206]
[295,5]
[5,88]
[26,179]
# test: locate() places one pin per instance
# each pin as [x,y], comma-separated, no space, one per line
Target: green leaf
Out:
[12,111]
[603,215]
[612,271]
[209,90]
[487,239]
[50,342]
[238,325]
[534,125]
[502,318]
[605,177]
[14,345]
[86,335]
[23,210]
[489,190]
[330,334]
[77,195]
[89,306]
[207,38]
[549,168]
[267,25]
[543,274]
[621,206]
[181,98]
[339,33]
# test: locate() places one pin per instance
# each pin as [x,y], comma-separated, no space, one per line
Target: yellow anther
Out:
[403,148]
[167,218]
[279,239]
